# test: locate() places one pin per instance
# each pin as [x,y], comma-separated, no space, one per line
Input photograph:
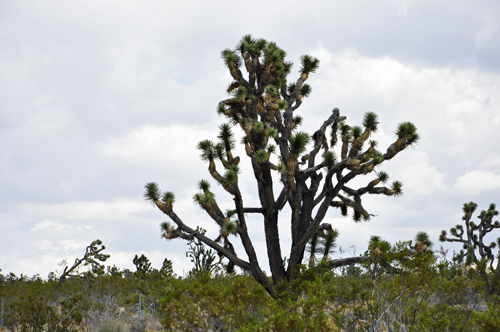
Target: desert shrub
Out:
[240,303]
[113,327]
[34,313]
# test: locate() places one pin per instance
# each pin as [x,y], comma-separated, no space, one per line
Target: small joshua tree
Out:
[472,238]
[312,177]
[142,265]
[204,259]
[90,259]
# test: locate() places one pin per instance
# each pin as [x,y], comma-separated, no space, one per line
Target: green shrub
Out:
[112,327]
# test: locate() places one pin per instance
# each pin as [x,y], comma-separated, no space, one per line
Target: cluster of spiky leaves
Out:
[154,194]
[408,131]
[378,246]
[323,242]
[298,143]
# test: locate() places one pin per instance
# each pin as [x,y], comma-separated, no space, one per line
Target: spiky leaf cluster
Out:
[207,148]
[152,193]
[423,237]
[168,198]
[383,177]
[370,121]
[230,227]
[298,143]
[329,159]
[308,64]
[408,131]
[306,90]
[231,59]
[261,156]
[377,246]
[205,199]
[356,132]
[397,187]
[258,127]
[272,132]
[226,136]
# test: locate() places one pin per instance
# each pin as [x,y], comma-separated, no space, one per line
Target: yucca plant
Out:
[263,104]
[473,240]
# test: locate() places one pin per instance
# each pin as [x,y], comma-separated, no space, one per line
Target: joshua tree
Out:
[472,238]
[312,177]
[91,259]
[142,265]
[204,259]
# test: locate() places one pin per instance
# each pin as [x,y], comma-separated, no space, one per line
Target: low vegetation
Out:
[404,286]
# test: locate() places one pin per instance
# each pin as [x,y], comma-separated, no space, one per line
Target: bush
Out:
[113,327]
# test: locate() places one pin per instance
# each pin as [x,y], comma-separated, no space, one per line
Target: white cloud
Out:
[402,6]
[473,182]
[453,109]
[78,211]
[170,150]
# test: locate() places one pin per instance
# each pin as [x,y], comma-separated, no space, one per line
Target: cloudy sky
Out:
[99,97]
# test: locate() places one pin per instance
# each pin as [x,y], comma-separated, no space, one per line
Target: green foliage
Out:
[205,199]
[142,265]
[305,91]
[221,109]
[425,295]
[298,143]
[356,132]
[207,148]
[204,259]
[383,177]
[424,238]
[230,58]
[273,132]
[378,158]
[226,136]
[204,185]
[397,187]
[281,168]
[240,93]
[112,327]
[35,313]
[329,243]
[258,127]
[329,159]
[297,120]
[282,104]
[272,91]
[152,193]
[313,248]
[261,156]
[230,227]
[168,198]
[230,176]
[408,131]
[271,148]
[370,121]
[309,64]
[470,255]
[490,319]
